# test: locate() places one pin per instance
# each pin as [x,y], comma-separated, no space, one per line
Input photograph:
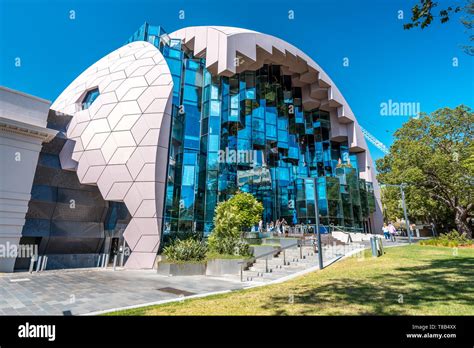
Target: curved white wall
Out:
[120,143]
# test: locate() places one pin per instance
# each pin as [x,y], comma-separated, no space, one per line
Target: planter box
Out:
[181,269]
[217,267]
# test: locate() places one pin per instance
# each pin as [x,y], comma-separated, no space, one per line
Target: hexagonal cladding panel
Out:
[121,108]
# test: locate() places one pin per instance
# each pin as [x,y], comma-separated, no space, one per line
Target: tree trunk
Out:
[461,221]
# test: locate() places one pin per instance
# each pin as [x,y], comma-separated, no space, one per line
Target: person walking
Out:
[386,231]
[284,225]
[278,226]
[392,230]
[260,226]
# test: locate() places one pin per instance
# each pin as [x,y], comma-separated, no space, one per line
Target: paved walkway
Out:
[74,292]
[83,291]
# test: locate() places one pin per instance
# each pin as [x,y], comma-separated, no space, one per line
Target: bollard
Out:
[373,245]
[381,246]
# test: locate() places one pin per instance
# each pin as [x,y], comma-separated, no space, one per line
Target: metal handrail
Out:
[334,227]
[278,250]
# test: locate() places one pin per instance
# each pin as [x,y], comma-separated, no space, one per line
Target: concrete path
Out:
[74,292]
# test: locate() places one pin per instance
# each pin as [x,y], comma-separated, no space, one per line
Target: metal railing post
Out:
[241,272]
[266,264]
[301,248]
[32,263]
[45,262]
[38,263]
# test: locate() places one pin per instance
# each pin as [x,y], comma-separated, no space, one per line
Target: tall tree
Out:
[423,14]
[433,155]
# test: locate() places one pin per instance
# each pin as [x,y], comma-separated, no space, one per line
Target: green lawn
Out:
[412,280]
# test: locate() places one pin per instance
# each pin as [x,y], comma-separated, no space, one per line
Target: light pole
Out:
[316,215]
[404,208]
[405,213]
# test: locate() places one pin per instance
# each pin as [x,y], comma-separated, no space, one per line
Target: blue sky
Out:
[385,61]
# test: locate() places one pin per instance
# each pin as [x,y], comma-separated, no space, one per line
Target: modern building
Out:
[152,136]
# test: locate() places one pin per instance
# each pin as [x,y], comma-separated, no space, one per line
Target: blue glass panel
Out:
[192,64]
[213,143]
[283,136]
[214,125]
[189,158]
[270,115]
[207,77]
[89,98]
[215,108]
[174,66]
[188,176]
[213,160]
[175,43]
[258,112]
[250,93]
[271,131]
[191,94]
[193,78]
[214,92]
[234,102]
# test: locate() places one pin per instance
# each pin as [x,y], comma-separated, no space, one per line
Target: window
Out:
[89,98]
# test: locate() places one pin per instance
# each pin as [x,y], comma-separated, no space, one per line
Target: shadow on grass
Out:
[435,283]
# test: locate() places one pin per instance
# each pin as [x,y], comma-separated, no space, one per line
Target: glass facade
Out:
[249,132]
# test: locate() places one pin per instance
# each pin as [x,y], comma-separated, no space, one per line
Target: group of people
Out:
[279,226]
[389,231]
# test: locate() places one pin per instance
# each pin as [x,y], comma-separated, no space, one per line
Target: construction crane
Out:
[377,143]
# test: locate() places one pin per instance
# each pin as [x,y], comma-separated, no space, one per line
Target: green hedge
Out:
[452,239]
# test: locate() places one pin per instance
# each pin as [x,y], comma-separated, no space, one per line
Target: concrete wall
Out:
[22,131]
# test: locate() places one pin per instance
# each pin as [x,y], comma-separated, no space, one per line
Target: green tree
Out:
[432,156]
[423,13]
[231,219]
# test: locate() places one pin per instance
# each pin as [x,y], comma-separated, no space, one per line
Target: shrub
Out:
[185,250]
[452,239]
[233,217]
[228,246]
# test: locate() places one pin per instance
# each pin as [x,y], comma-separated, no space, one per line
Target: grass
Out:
[410,280]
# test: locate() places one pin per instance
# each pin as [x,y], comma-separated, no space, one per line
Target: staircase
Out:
[286,262]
